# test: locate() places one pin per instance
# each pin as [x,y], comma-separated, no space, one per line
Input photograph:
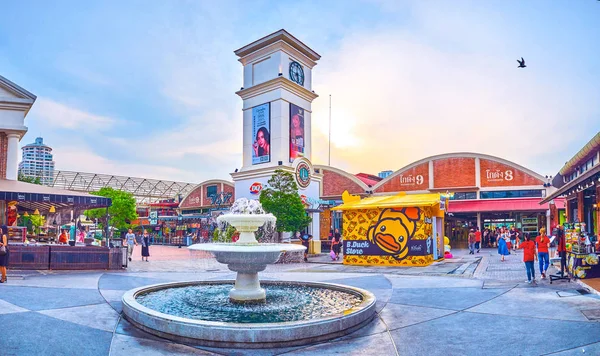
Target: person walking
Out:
[145,245]
[502,246]
[513,238]
[306,243]
[4,252]
[472,242]
[529,256]
[336,242]
[543,243]
[477,239]
[130,243]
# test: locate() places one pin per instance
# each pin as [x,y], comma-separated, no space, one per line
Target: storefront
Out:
[397,230]
[579,183]
[33,211]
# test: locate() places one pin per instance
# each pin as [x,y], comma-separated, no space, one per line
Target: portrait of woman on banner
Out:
[261,144]
[296,132]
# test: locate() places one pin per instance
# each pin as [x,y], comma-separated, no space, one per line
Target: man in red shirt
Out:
[477,239]
[542,246]
[529,256]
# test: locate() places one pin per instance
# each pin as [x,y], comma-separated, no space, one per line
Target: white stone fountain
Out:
[246,256]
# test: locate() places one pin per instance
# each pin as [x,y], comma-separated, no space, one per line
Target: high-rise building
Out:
[37,161]
[384,174]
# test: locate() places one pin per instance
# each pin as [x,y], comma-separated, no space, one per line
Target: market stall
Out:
[398,230]
[34,213]
[582,259]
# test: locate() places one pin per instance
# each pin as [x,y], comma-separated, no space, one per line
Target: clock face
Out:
[297,73]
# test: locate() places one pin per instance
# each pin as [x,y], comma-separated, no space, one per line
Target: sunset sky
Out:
[146,88]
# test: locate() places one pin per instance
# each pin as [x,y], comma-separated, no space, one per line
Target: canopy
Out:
[353,202]
[493,205]
[35,196]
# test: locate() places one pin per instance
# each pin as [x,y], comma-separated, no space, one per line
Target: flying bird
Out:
[521,63]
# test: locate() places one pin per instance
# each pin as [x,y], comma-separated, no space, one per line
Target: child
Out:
[529,256]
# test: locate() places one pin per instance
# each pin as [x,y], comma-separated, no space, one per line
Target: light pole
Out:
[329,160]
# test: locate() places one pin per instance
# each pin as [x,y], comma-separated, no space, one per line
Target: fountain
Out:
[242,313]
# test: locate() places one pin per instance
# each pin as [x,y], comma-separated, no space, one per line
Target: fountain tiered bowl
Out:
[243,313]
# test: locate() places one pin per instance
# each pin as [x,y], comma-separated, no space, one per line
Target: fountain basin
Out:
[253,334]
[247,260]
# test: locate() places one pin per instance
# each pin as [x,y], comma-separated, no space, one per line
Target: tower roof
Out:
[281,35]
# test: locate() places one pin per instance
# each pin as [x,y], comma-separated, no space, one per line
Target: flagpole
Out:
[329,160]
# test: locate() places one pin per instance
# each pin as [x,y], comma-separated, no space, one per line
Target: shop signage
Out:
[304,199]
[443,199]
[153,217]
[366,248]
[303,170]
[255,188]
[46,198]
[92,201]
[411,179]
[21,196]
[529,221]
[496,175]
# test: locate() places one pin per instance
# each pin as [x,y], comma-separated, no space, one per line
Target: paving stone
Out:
[34,298]
[125,282]
[398,316]
[379,344]
[447,298]
[36,334]
[99,316]
[590,349]
[507,339]
[8,308]
[123,345]
[538,303]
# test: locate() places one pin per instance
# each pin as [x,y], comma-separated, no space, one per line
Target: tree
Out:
[122,211]
[32,180]
[281,199]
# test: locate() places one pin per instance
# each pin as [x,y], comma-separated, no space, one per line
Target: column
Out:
[597,227]
[479,221]
[12,156]
[580,211]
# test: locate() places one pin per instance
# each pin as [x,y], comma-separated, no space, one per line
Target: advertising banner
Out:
[296,132]
[261,127]
[367,248]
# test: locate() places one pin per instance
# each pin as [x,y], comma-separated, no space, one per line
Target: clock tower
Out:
[277,108]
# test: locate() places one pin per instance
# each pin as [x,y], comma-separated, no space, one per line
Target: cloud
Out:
[81,159]
[399,97]
[60,116]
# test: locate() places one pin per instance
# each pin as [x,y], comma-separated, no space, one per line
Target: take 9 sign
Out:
[255,188]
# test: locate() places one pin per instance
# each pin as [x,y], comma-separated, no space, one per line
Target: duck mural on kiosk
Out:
[394,229]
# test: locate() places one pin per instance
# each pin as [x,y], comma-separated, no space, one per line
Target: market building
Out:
[578,181]
[484,191]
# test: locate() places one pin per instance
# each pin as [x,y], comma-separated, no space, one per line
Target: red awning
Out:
[490,205]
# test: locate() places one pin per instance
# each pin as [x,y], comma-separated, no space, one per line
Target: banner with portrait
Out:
[261,128]
[297,148]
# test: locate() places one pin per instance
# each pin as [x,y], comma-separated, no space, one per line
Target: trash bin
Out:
[124,256]
[187,240]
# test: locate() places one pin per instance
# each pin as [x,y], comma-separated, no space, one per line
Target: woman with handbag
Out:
[4,253]
[145,245]
[336,243]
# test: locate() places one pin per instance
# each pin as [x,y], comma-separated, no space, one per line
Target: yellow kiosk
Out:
[398,230]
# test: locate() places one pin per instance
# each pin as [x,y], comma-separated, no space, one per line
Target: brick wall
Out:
[454,172]
[334,184]
[3,154]
[416,178]
[495,174]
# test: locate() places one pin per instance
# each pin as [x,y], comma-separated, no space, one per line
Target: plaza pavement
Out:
[471,305]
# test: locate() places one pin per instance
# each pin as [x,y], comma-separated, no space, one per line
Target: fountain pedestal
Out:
[247,286]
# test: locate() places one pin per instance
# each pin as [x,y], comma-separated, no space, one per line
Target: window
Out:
[464,196]
[211,190]
[508,194]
